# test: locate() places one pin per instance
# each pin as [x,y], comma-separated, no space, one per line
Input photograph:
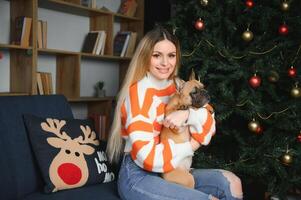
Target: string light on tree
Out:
[285,6]
[204,2]
[273,76]
[296,91]
[287,158]
[254,126]
[255,81]
[283,29]
[247,35]
[292,72]
[199,24]
[249,3]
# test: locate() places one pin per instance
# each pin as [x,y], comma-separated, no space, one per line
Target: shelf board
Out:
[13,94]
[127,17]
[71,8]
[13,46]
[57,52]
[90,99]
[104,57]
[84,55]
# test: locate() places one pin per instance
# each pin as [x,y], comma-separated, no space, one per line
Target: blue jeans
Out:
[134,183]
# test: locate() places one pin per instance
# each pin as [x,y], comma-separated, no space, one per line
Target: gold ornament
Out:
[247,35]
[273,76]
[287,159]
[204,2]
[285,6]
[296,91]
[254,126]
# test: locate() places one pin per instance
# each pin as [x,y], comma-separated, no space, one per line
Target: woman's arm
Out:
[202,124]
[146,150]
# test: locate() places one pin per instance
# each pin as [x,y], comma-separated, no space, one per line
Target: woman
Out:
[138,119]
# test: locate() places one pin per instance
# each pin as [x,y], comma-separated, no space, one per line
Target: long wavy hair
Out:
[138,68]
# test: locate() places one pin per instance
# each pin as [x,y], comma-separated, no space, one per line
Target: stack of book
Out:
[94,42]
[124,43]
[23,27]
[44,83]
[22,31]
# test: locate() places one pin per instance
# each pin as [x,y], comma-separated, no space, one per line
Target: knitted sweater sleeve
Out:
[139,131]
[202,124]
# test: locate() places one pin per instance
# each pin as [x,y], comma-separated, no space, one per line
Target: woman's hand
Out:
[194,144]
[176,119]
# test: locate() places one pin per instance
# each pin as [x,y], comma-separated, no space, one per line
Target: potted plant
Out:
[100,92]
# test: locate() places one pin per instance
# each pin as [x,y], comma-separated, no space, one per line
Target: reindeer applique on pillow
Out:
[69,153]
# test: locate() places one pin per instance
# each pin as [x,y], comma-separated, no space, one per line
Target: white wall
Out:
[65,32]
[4,38]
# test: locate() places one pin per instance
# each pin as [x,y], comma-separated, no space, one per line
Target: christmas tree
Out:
[247,53]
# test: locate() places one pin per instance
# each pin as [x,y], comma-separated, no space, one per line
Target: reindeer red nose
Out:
[69,173]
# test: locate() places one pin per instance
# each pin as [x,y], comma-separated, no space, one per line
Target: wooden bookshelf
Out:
[13,46]
[23,60]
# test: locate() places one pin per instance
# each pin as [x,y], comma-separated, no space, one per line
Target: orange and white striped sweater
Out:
[142,115]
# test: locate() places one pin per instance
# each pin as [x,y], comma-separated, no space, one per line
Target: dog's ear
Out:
[192,75]
[179,84]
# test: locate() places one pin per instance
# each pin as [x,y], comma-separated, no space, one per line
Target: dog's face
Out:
[192,93]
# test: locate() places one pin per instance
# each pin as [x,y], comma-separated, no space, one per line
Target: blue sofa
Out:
[20,177]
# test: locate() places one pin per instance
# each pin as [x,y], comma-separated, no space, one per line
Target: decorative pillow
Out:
[68,152]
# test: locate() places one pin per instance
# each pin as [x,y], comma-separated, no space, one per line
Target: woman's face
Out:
[163,60]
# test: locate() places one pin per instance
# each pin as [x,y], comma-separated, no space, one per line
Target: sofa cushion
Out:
[105,191]
[68,152]
[19,172]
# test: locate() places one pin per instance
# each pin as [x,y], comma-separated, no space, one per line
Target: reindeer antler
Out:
[89,136]
[54,126]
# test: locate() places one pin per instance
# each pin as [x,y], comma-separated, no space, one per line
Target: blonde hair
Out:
[138,68]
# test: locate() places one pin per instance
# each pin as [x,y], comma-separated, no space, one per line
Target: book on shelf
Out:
[39,34]
[121,42]
[22,31]
[100,43]
[90,42]
[102,52]
[42,34]
[39,84]
[128,7]
[44,83]
[99,122]
[132,44]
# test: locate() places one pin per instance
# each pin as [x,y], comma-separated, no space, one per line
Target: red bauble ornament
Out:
[292,72]
[255,81]
[199,24]
[283,29]
[299,137]
[259,130]
[249,3]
